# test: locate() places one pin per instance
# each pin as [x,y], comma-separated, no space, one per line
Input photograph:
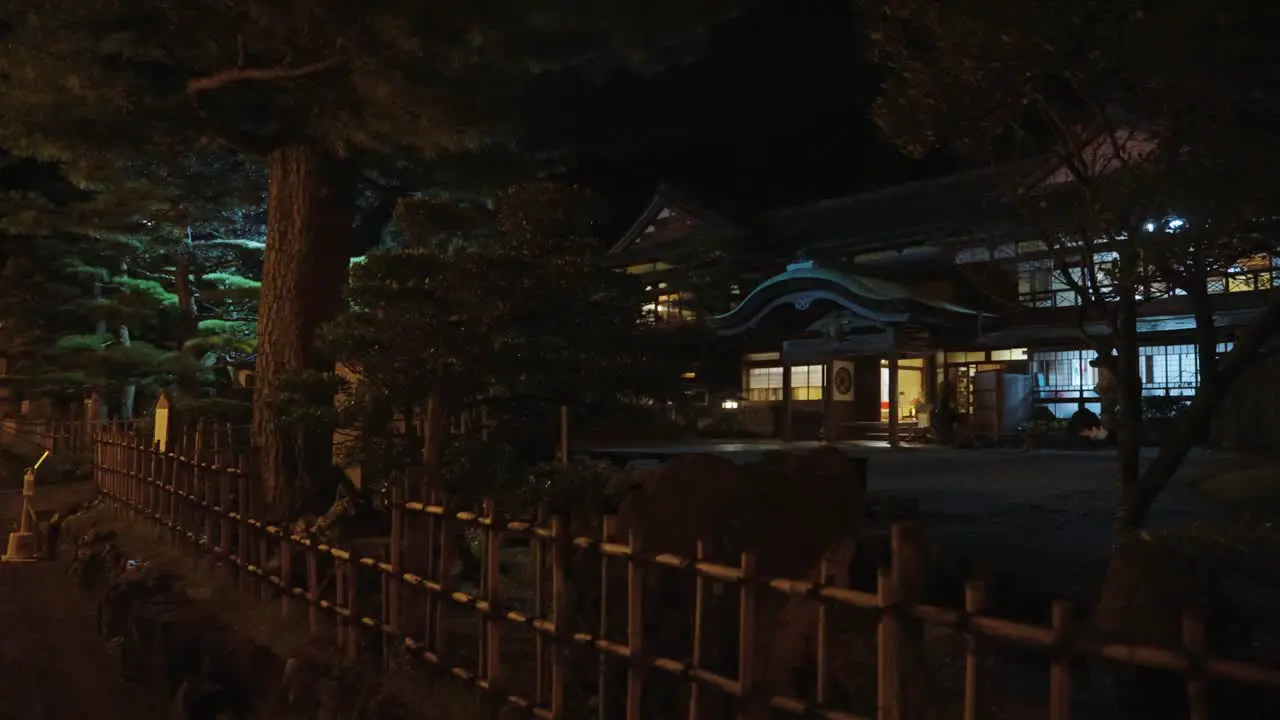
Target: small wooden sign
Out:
[161,433]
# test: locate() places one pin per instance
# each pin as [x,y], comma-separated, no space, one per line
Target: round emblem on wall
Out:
[843,381]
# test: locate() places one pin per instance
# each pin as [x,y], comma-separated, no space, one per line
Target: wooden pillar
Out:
[929,380]
[829,401]
[894,412]
[787,402]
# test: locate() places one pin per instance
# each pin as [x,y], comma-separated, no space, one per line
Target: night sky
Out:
[775,112]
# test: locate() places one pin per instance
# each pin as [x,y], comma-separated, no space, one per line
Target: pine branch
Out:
[238,74]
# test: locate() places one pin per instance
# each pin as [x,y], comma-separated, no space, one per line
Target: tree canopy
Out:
[1147,131]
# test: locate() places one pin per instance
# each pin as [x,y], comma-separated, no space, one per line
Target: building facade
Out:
[862,316]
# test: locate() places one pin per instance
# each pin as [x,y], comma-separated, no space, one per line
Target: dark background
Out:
[774,113]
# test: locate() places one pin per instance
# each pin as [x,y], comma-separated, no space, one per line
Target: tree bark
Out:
[1206,346]
[188,318]
[1128,421]
[310,208]
[130,390]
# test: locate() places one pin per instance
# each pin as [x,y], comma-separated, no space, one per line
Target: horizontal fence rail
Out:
[398,598]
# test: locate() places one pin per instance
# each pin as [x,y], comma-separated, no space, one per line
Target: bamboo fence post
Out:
[560,613]
[394,581]
[242,527]
[538,546]
[747,675]
[975,603]
[286,572]
[180,480]
[490,579]
[446,550]
[171,488]
[699,609]
[224,519]
[126,475]
[635,626]
[139,478]
[1060,665]
[353,619]
[608,532]
[1195,642]
[313,589]
[153,492]
[909,552]
[95,453]
[339,594]
[887,648]
[823,650]
[264,553]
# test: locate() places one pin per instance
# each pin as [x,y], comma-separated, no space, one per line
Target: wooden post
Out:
[339,594]
[887,661]
[560,612]
[909,549]
[822,660]
[635,628]
[353,621]
[699,609]
[1060,665]
[975,603]
[313,590]
[242,527]
[894,410]
[446,544]
[608,531]
[397,570]
[538,547]
[286,572]
[1196,644]
[787,402]
[490,663]
[153,482]
[224,522]
[747,676]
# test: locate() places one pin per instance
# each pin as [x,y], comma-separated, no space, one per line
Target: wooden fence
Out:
[200,491]
[62,437]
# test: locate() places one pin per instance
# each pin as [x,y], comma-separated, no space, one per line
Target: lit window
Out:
[765,383]
[669,308]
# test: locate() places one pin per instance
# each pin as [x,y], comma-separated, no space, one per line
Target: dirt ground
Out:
[53,666]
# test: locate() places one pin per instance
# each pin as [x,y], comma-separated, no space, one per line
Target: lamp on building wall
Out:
[729,404]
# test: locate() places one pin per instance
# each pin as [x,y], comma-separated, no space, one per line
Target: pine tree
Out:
[314,88]
[501,305]
[92,303]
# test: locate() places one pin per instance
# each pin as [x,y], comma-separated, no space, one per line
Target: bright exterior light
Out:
[729,404]
[1175,223]
[1149,227]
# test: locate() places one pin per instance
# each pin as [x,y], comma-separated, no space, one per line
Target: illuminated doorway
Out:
[910,388]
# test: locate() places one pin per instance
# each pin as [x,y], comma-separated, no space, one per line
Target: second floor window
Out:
[670,307]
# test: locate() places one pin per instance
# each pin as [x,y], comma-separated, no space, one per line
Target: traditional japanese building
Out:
[856,314]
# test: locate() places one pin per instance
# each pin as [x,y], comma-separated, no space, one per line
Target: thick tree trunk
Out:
[310,209]
[98,401]
[1128,421]
[1206,347]
[130,390]
[188,318]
